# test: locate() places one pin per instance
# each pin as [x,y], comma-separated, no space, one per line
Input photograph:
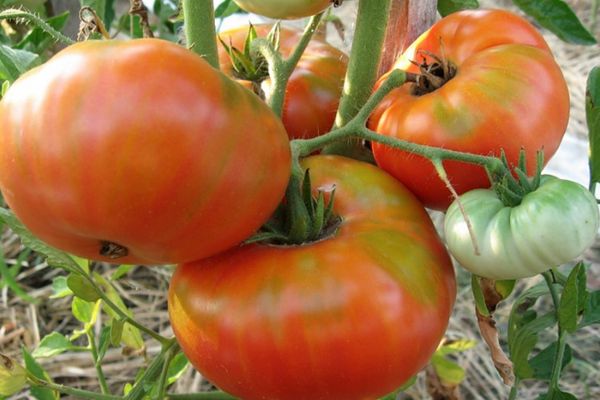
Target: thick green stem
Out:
[97,362]
[562,342]
[363,68]
[37,21]
[200,30]
[75,393]
[356,129]
[280,70]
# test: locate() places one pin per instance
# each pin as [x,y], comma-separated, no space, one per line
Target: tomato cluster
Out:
[179,163]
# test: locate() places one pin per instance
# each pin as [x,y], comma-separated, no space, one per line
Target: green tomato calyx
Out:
[511,183]
[301,218]
[250,65]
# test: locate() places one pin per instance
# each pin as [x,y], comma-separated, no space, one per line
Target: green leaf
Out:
[13,62]
[82,310]
[60,288]
[557,395]
[592,108]
[543,362]
[591,310]
[523,342]
[55,257]
[104,342]
[457,346]
[572,299]
[13,377]
[557,17]
[446,7]
[116,331]
[51,345]
[505,287]
[448,371]
[36,370]
[226,8]
[8,278]
[121,271]
[177,367]
[131,336]
[478,296]
[5,87]
[82,287]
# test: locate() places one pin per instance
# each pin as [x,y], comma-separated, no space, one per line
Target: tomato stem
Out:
[12,13]
[356,128]
[363,69]
[560,351]
[281,69]
[97,362]
[200,29]
[76,393]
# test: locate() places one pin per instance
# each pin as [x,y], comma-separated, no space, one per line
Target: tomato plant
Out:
[314,87]
[494,85]
[290,9]
[174,164]
[352,316]
[552,225]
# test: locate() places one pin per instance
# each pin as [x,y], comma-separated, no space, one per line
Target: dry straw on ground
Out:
[144,289]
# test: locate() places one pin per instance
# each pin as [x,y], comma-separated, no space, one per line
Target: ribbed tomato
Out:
[505,92]
[139,152]
[351,316]
[288,9]
[315,86]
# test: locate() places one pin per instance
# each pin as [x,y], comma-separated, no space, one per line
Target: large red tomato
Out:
[288,9]
[507,93]
[352,316]
[314,88]
[139,152]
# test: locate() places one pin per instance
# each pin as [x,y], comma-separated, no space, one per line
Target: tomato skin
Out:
[290,9]
[175,162]
[508,93]
[552,225]
[352,316]
[315,86]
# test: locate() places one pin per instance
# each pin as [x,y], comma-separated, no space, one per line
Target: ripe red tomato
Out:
[315,86]
[352,316]
[508,93]
[139,149]
[289,9]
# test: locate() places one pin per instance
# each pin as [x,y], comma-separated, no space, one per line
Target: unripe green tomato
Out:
[287,9]
[552,225]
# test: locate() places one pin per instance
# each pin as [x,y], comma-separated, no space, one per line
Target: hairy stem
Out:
[280,70]
[562,342]
[200,31]
[363,71]
[75,393]
[37,21]
[356,129]
[97,363]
